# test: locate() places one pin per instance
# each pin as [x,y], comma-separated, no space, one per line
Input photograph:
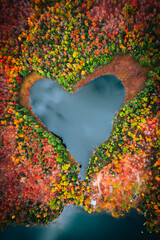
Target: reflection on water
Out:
[83,119]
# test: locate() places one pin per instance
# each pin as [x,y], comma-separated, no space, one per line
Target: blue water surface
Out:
[83,119]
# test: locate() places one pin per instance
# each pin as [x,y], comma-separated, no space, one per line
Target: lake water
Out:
[76,224]
[100,98]
[82,119]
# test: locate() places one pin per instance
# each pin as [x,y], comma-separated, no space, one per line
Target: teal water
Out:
[104,97]
[76,224]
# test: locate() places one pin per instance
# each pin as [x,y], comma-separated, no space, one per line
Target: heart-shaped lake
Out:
[82,119]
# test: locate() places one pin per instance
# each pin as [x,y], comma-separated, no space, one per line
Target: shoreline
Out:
[25,101]
[124,67]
